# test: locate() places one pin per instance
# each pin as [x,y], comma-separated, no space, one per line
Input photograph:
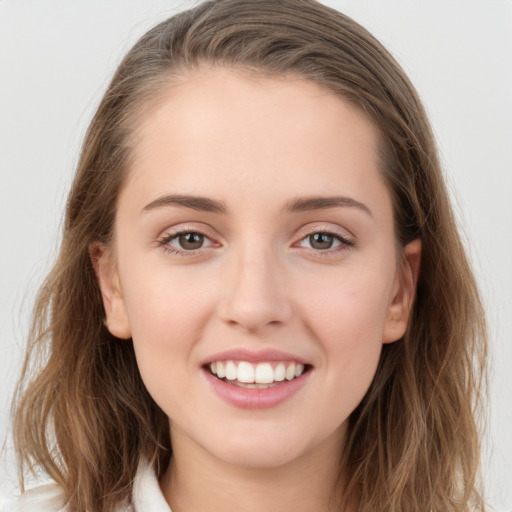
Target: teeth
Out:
[280,372]
[252,385]
[260,375]
[230,370]
[220,370]
[245,373]
[264,374]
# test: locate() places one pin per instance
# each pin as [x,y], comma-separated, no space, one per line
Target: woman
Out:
[260,270]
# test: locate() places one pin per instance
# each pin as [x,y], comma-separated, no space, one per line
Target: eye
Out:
[323,241]
[189,241]
[185,242]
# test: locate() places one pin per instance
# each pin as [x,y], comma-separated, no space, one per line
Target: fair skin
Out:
[255,228]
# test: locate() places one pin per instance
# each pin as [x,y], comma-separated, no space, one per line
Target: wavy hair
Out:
[81,411]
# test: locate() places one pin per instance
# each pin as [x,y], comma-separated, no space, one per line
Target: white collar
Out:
[146,496]
[146,493]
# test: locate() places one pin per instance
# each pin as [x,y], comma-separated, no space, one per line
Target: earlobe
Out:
[405,289]
[115,308]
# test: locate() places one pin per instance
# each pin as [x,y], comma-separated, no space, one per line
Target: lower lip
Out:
[252,398]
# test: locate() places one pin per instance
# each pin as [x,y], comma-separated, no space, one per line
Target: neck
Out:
[196,481]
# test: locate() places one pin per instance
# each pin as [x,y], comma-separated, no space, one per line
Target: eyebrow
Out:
[303,204]
[202,204]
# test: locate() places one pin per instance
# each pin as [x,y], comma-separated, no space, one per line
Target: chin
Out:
[259,458]
[260,450]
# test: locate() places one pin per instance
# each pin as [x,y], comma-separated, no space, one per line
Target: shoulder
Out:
[46,498]
[146,495]
[51,497]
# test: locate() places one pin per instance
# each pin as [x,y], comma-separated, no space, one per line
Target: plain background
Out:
[57,56]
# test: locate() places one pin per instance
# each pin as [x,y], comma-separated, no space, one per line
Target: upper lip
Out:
[253,356]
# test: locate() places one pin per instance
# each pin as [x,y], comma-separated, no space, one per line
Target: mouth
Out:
[261,375]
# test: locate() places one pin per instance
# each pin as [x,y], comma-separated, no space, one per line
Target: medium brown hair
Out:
[82,412]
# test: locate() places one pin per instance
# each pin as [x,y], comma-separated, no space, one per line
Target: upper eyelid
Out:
[337,231]
[202,229]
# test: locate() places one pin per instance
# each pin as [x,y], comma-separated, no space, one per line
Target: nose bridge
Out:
[255,294]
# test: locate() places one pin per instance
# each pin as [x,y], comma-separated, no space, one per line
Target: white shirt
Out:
[146,496]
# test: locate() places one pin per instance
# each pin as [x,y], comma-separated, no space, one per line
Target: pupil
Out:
[321,241]
[191,241]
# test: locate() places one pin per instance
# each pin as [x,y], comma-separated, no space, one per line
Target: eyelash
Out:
[345,243]
[165,241]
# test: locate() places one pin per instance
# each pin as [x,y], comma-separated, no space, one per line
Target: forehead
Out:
[220,127]
[211,95]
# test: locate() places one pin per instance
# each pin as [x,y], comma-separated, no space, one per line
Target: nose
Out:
[255,295]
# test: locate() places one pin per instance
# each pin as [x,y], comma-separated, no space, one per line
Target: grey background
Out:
[57,56]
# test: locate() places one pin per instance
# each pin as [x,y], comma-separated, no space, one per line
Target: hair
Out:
[81,411]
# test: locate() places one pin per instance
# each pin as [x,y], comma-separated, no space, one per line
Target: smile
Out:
[256,375]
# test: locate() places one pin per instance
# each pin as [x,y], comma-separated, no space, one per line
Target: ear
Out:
[113,301]
[403,294]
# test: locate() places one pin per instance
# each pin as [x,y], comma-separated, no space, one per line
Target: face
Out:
[254,264]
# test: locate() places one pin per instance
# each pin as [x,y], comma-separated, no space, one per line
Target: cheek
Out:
[167,322]
[350,306]
[347,317]
[167,314]
[351,345]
